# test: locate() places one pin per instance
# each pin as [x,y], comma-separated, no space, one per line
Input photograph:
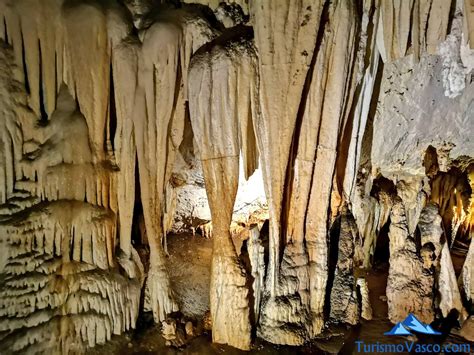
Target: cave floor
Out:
[189,269]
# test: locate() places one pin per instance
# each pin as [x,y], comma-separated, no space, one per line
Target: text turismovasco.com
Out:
[409,346]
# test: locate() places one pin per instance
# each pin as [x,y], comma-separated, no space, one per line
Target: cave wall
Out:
[336,103]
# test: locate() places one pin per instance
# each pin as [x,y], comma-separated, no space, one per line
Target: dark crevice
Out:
[381,255]
[144,319]
[427,22]
[7,40]
[56,74]
[381,183]
[137,219]
[333,257]
[452,10]
[43,113]
[411,40]
[112,110]
[25,68]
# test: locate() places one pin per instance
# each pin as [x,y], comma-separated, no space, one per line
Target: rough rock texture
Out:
[409,285]
[123,120]
[467,275]
[62,287]
[256,249]
[344,300]
[416,109]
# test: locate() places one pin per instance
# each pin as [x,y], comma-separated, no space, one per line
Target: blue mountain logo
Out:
[411,323]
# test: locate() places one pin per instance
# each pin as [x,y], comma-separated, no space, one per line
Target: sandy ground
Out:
[189,267]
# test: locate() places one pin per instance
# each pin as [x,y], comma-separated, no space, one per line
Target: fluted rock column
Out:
[221,99]
[154,108]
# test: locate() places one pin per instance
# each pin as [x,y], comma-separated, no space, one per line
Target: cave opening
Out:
[383,190]
[381,256]
[451,191]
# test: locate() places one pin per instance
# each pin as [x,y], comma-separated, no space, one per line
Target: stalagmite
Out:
[409,285]
[366,307]
[344,300]
[257,260]
[431,230]
[450,297]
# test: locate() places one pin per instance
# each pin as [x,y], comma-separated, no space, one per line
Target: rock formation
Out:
[295,134]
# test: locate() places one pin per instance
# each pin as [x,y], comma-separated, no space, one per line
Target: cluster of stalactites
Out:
[298,97]
[423,23]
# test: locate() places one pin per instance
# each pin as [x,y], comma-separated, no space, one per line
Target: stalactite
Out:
[469,21]
[437,26]
[124,69]
[159,108]
[425,21]
[88,57]
[11,138]
[367,53]
[154,100]
[58,243]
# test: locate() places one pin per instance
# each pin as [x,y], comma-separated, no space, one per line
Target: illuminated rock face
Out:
[330,119]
